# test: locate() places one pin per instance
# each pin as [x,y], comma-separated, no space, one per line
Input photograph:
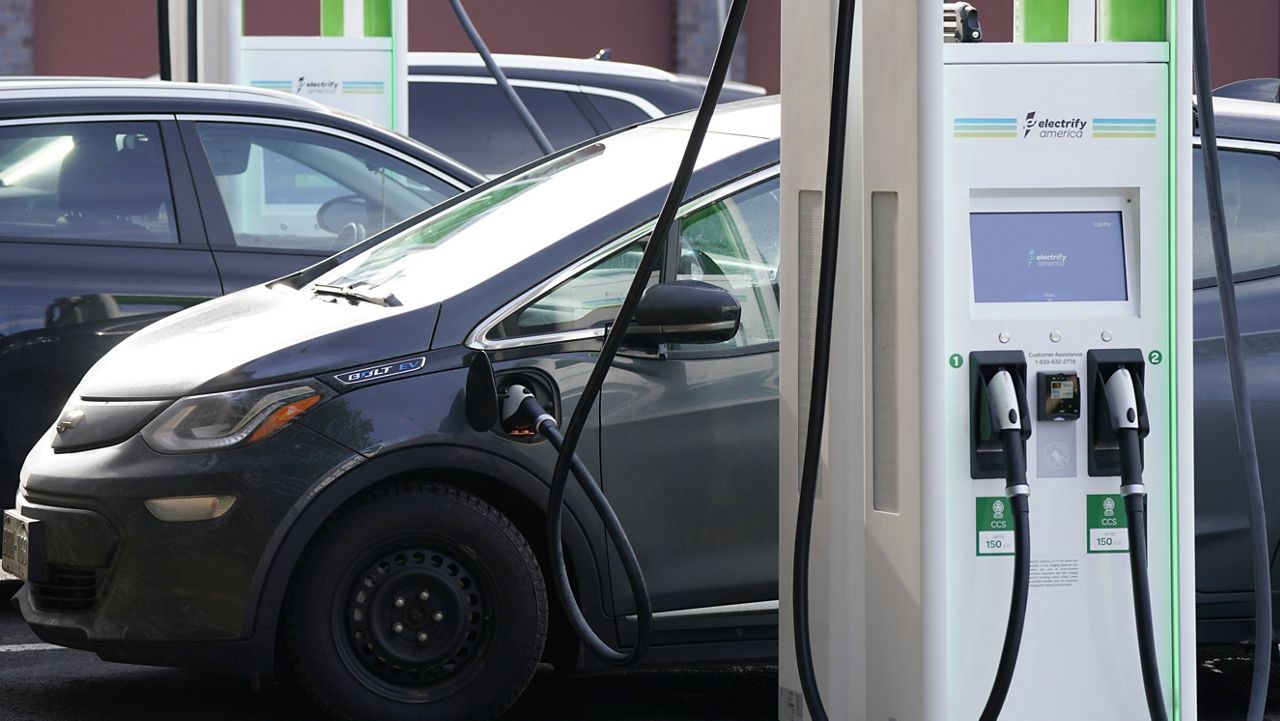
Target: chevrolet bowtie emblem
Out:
[69,420]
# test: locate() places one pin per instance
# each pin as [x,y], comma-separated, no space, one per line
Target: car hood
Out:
[256,336]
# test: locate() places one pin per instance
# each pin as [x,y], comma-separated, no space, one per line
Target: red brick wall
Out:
[1244,39]
[115,37]
[282,17]
[637,31]
[118,37]
[763,26]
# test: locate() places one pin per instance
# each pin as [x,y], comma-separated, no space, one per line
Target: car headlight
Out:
[224,420]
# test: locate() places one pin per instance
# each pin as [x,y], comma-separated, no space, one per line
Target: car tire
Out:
[416,601]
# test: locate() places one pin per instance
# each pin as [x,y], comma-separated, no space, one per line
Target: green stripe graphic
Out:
[331,18]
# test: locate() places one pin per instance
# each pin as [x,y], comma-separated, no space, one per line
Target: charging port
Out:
[1104,447]
[518,427]
[986,454]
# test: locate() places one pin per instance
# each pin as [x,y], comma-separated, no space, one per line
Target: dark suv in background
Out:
[123,201]
[1249,138]
[456,107]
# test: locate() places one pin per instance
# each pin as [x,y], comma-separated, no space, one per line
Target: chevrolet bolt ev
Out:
[284,481]
[122,201]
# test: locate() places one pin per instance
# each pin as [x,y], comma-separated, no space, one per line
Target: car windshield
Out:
[499,226]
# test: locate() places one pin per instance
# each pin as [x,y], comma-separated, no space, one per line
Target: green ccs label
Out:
[1156,357]
[995,526]
[1108,524]
[956,360]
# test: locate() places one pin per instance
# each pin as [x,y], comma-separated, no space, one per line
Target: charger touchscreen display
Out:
[1046,257]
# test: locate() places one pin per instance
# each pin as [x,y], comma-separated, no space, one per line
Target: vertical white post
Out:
[1083,21]
[400,58]
[178,40]
[353,18]
[218,43]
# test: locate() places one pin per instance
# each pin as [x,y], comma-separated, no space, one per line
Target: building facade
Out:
[118,37]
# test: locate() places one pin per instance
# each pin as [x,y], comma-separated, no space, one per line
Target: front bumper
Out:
[133,588]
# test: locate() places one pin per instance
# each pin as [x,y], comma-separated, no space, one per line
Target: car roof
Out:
[587,71]
[12,88]
[1247,119]
[757,118]
[33,97]
[512,61]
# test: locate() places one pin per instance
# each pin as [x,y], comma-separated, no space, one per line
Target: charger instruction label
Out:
[995,526]
[1108,524]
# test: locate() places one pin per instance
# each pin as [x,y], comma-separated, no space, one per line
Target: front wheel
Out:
[416,601]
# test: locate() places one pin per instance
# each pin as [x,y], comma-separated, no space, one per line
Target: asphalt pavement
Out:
[44,683]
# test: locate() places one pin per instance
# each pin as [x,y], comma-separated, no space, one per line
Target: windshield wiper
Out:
[354,292]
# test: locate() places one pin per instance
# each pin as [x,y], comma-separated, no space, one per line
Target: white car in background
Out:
[455,104]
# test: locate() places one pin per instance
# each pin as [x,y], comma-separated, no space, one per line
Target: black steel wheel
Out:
[417,601]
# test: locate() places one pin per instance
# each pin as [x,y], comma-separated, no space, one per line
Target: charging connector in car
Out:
[519,409]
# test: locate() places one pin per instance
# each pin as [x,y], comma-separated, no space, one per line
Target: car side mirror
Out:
[685,311]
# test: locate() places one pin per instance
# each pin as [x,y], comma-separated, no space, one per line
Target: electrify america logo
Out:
[315,87]
[1051,128]
[1046,260]
[1054,128]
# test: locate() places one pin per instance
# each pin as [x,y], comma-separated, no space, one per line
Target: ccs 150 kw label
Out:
[995,526]
[1108,524]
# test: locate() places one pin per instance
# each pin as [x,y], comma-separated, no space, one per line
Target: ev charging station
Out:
[358,63]
[1014,275]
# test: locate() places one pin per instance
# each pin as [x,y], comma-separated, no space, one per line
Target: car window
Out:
[735,244]
[501,225]
[302,190]
[104,182]
[1251,199]
[476,124]
[618,113]
[588,300]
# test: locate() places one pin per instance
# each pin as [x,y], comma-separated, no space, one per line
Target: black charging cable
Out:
[166,47]
[521,408]
[1006,405]
[1135,505]
[1234,345]
[827,281]
[477,42]
[567,458]
[1125,411]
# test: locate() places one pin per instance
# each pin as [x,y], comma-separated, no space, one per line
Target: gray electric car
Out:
[284,481]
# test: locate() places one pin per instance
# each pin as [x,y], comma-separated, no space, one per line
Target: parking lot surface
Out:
[43,683]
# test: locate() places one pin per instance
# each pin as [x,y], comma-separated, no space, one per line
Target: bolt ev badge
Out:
[69,420]
[385,370]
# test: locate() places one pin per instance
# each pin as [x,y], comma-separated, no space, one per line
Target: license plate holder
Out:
[23,547]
